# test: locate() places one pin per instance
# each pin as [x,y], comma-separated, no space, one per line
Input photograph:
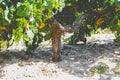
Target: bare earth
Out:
[77,63]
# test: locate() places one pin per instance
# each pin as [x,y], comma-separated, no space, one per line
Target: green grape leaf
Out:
[23,10]
[25,37]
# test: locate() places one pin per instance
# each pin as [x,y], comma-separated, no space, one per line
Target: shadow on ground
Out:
[77,60]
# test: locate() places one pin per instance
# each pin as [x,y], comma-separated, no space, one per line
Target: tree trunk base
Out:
[56,59]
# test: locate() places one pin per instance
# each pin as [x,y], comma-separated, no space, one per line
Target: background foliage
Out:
[27,19]
[102,14]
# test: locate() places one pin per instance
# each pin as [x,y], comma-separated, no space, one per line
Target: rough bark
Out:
[57,31]
[56,40]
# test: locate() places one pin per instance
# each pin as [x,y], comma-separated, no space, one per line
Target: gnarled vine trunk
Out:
[56,40]
[57,31]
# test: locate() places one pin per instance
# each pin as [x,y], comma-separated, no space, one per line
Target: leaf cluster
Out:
[24,19]
[102,14]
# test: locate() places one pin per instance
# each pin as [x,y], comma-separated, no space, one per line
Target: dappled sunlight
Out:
[39,70]
[79,62]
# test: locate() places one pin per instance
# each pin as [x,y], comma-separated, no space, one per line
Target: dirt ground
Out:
[79,62]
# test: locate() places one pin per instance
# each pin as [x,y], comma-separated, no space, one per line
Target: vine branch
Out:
[57,31]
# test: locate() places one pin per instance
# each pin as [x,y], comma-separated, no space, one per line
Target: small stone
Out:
[1,60]
[117,51]
[21,64]
[28,60]
[117,71]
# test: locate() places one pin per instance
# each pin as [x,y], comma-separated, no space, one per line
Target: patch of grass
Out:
[118,65]
[117,68]
[66,40]
[99,69]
